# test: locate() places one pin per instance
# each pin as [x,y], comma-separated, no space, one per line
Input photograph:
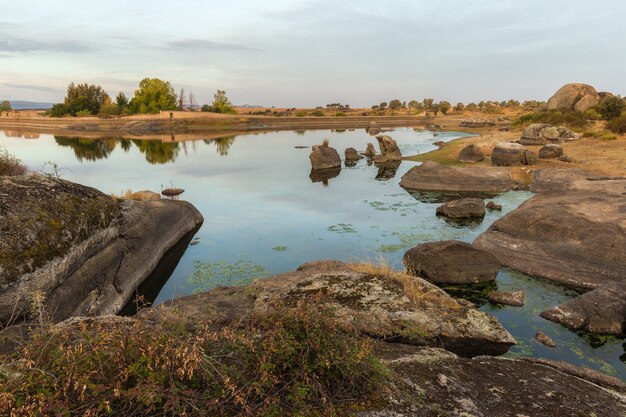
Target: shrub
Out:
[300,113]
[317,113]
[611,107]
[290,362]
[83,113]
[572,119]
[340,114]
[617,125]
[10,165]
[58,110]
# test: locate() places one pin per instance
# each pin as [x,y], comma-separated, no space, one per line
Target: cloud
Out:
[29,87]
[12,44]
[203,44]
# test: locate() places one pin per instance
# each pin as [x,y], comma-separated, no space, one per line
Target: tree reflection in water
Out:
[158,152]
[222,145]
[88,149]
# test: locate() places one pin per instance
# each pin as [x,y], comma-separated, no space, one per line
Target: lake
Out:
[264,214]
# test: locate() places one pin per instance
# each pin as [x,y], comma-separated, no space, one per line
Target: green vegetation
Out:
[221,104]
[611,107]
[153,96]
[287,363]
[10,165]
[617,125]
[5,105]
[599,134]
[84,99]
[570,118]
[280,248]
[209,275]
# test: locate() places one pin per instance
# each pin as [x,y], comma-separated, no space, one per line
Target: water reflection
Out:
[157,152]
[323,175]
[88,149]
[221,144]
[387,170]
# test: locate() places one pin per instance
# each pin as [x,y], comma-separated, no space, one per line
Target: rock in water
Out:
[511,154]
[352,155]
[432,176]
[84,252]
[471,153]
[551,151]
[370,151]
[389,151]
[544,339]
[324,157]
[373,128]
[602,311]
[464,208]
[511,298]
[540,133]
[451,262]
[575,96]
[493,206]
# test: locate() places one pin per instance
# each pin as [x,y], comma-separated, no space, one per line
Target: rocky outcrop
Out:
[602,310]
[511,154]
[432,382]
[389,151]
[432,176]
[551,151]
[538,134]
[77,248]
[476,123]
[471,153]
[324,157]
[510,298]
[464,208]
[561,180]
[451,262]
[376,302]
[575,96]
[577,238]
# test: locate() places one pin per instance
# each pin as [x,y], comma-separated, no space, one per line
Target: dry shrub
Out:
[285,363]
[617,125]
[325,143]
[10,165]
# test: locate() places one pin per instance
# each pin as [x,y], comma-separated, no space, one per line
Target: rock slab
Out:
[507,154]
[510,298]
[464,208]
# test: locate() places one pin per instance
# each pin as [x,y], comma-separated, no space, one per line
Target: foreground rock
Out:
[510,298]
[79,249]
[577,238]
[575,96]
[464,208]
[389,151]
[431,382]
[538,134]
[379,303]
[471,153]
[507,154]
[324,157]
[561,180]
[602,310]
[551,151]
[432,176]
[451,262]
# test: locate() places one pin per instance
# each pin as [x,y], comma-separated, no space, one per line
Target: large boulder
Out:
[471,153]
[464,208]
[324,157]
[377,302]
[389,151]
[551,151]
[451,262]
[511,154]
[602,310]
[575,96]
[577,238]
[78,249]
[432,176]
[540,133]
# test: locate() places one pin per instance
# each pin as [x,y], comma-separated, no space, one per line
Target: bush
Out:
[617,125]
[317,113]
[83,113]
[290,362]
[58,110]
[611,107]
[569,118]
[340,114]
[300,113]
[10,165]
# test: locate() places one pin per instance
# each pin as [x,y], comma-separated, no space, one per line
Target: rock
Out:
[376,302]
[475,123]
[602,311]
[352,155]
[451,262]
[301,147]
[471,153]
[80,249]
[464,208]
[511,298]
[565,158]
[373,129]
[579,97]
[389,151]
[172,192]
[540,133]
[145,195]
[439,144]
[493,206]
[544,339]
[370,152]
[387,170]
[577,238]
[432,382]
[511,154]
[324,157]
[432,176]
[559,180]
[551,151]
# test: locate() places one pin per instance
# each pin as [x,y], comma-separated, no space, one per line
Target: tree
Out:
[413,104]
[444,107]
[84,98]
[383,105]
[121,101]
[58,110]
[153,96]
[181,99]
[611,107]
[459,107]
[512,103]
[5,105]
[435,108]
[428,103]
[192,101]
[221,104]
[395,104]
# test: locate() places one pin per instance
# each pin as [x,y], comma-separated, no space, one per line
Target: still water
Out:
[264,214]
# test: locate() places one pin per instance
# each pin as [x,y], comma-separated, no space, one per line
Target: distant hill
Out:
[30,105]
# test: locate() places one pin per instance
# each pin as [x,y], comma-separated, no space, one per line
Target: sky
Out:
[296,53]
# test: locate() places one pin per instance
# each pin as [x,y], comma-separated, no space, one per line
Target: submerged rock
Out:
[574,96]
[324,157]
[512,154]
[544,339]
[432,176]
[77,248]
[389,151]
[511,298]
[464,208]
[471,153]
[451,262]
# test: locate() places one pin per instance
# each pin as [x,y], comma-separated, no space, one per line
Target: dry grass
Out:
[124,194]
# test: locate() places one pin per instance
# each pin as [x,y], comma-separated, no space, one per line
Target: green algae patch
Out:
[208,275]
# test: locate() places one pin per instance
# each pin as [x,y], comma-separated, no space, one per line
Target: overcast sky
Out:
[313,52]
